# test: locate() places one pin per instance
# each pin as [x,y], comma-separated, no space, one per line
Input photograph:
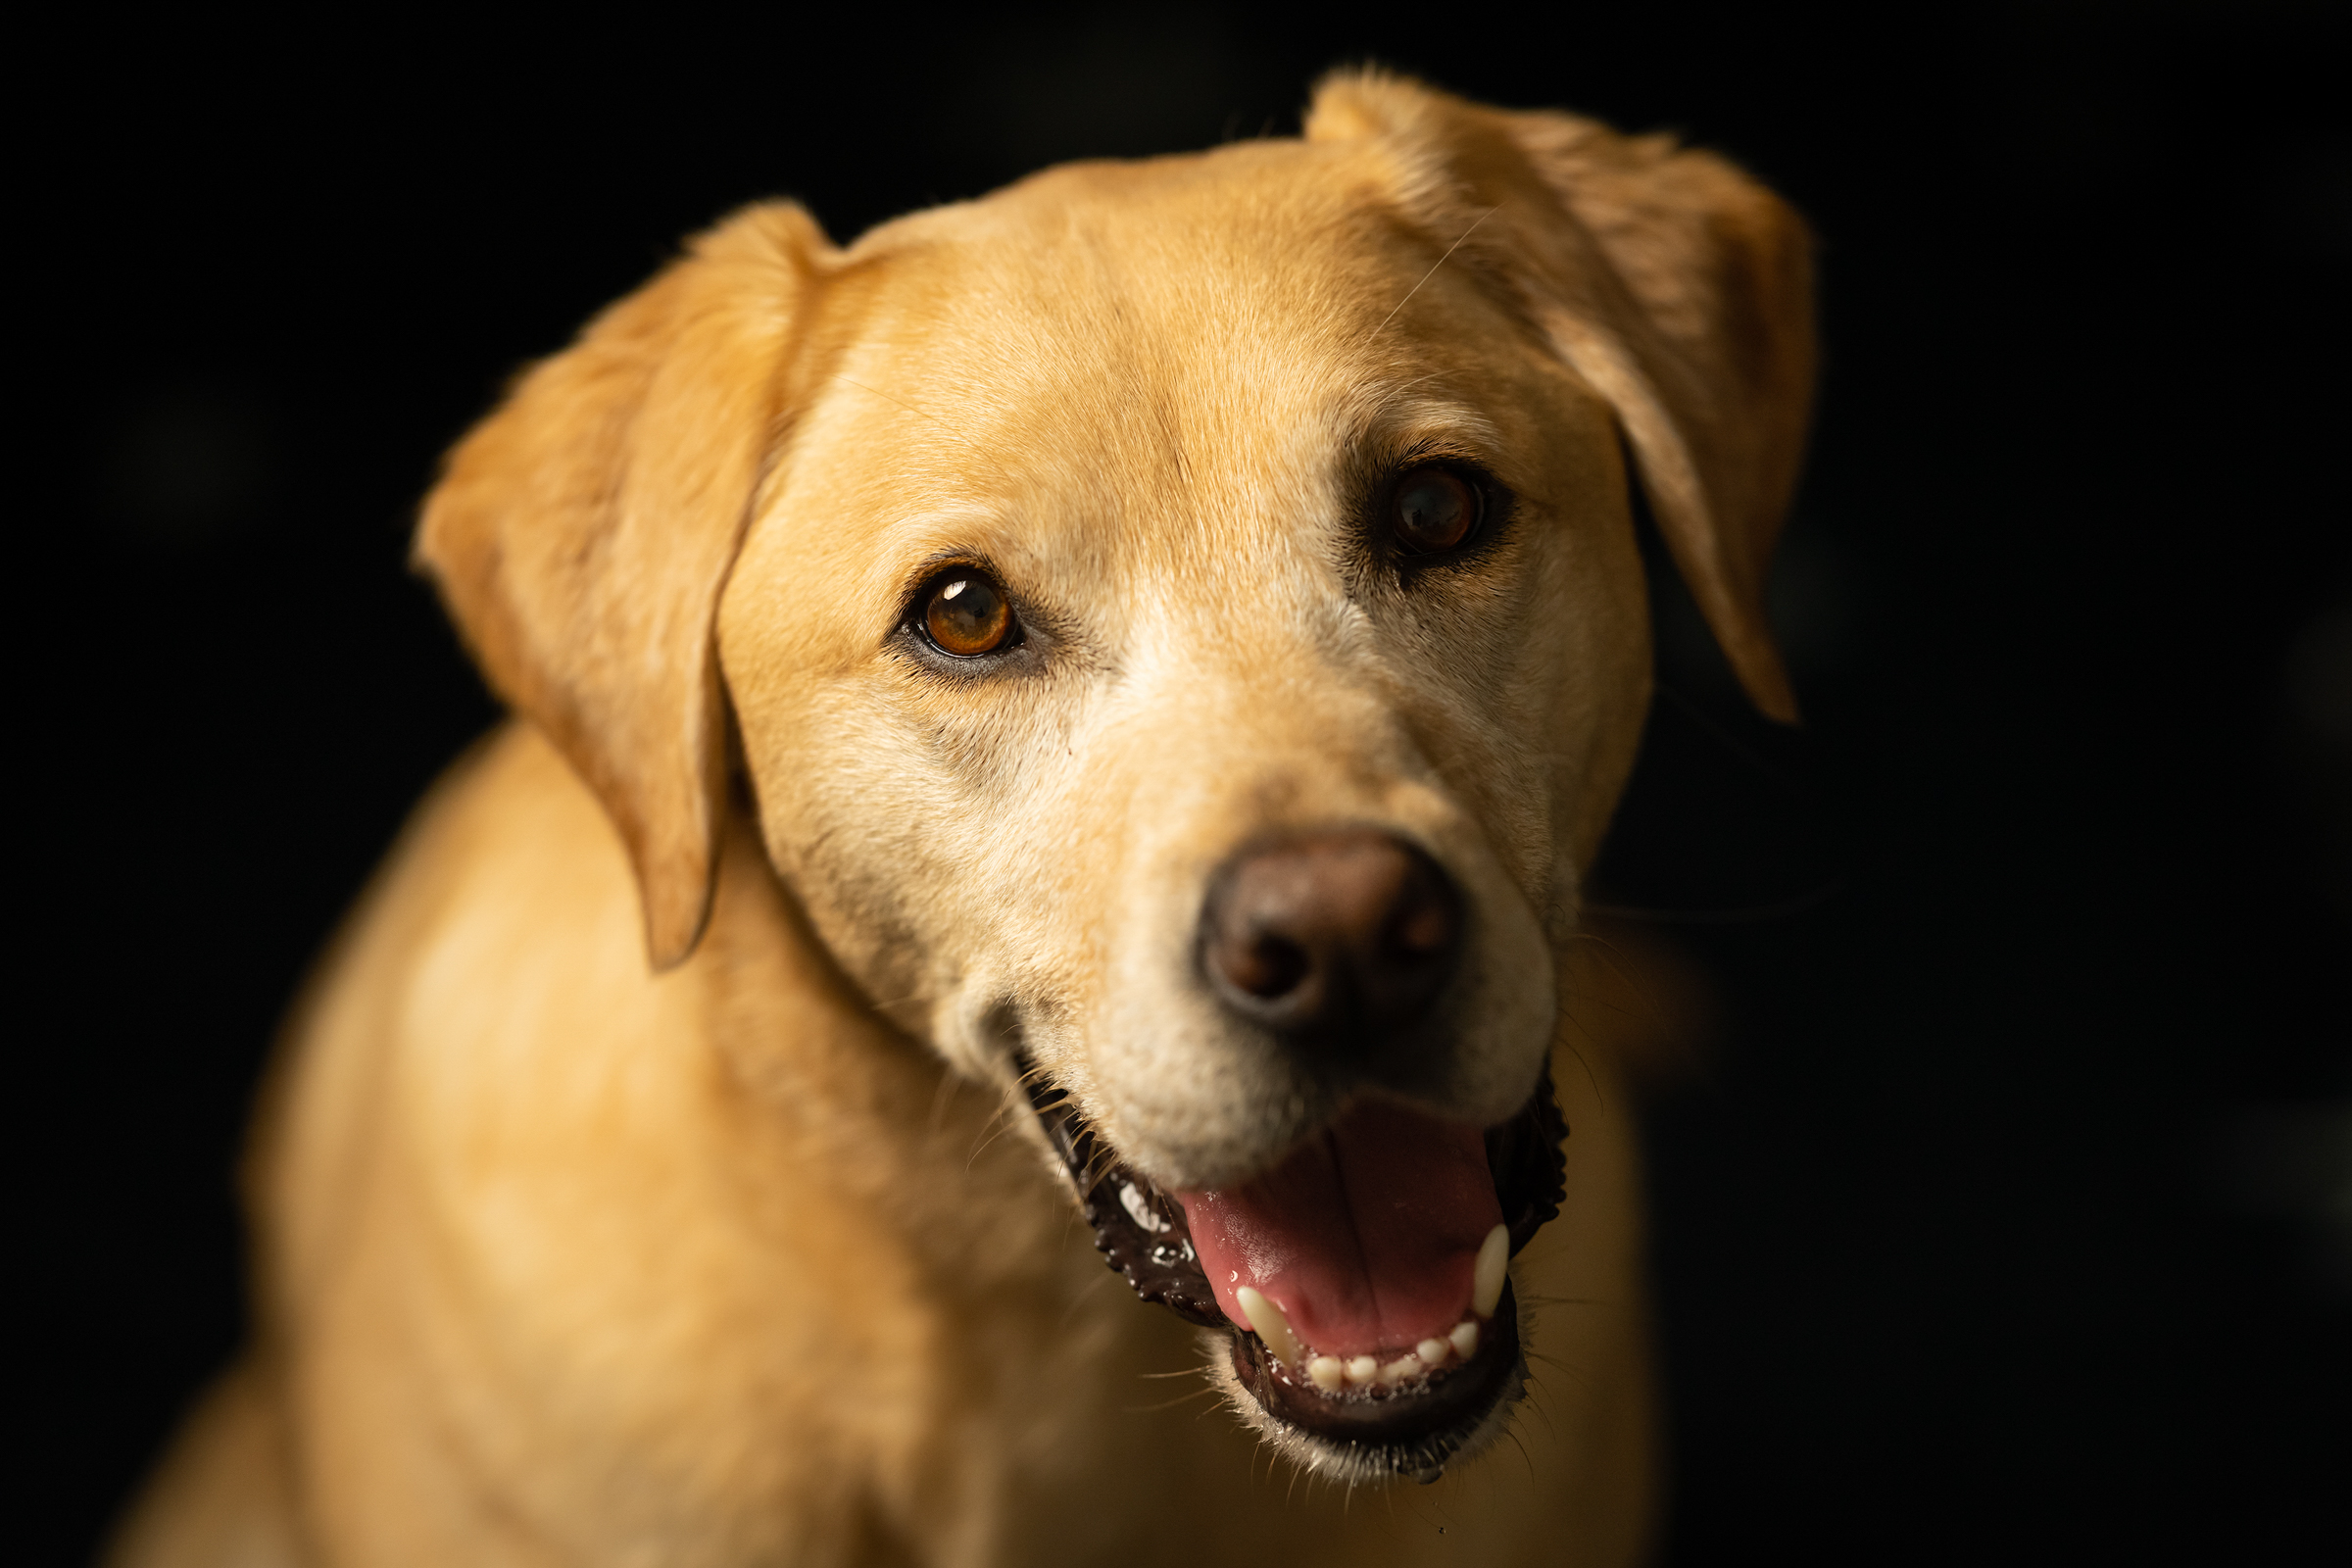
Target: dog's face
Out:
[1176,453]
[1184,635]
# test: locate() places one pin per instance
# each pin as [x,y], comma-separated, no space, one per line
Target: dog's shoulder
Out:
[506,883]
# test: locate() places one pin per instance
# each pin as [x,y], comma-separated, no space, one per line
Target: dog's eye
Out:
[1434,510]
[965,614]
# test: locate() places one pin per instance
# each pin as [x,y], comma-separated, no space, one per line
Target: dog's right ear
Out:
[581,534]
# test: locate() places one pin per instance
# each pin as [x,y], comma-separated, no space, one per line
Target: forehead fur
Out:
[1231,286]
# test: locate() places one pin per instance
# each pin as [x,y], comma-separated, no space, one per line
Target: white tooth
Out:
[1486,1280]
[1431,1351]
[1403,1369]
[1361,1369]
[1138,1208]
[1327,1372]
[1272,1327]
[1465,1338]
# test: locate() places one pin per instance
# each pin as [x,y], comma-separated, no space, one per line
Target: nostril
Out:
[1424,928]
[1270,968]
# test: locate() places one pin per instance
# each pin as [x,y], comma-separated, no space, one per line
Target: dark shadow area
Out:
[2011,1218]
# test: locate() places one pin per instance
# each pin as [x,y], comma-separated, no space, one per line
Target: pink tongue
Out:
[1365,1235]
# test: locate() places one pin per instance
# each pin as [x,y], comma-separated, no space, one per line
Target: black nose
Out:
[1335,938]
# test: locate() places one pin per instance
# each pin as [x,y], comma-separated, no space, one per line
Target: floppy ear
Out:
[581,533]
[1678,287]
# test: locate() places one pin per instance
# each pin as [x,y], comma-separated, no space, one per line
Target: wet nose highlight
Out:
[1335,937]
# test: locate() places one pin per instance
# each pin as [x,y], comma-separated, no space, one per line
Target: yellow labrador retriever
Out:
[1097,702]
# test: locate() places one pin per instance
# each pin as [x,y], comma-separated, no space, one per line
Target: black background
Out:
[2011,1215]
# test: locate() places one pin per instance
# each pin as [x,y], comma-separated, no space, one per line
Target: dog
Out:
[1070,730]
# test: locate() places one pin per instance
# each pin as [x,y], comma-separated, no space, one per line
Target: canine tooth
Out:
[1486,1280]
[1361,1369]
[1272,1327]
[1403,1369]
[1327,1373]
[1465,1338]
[1431,1351]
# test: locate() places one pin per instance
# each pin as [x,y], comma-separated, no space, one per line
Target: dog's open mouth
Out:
[1368,1326]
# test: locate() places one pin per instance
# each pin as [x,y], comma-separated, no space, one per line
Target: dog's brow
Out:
[924,413]
[1394,397]
[1433,271]
[1399,418]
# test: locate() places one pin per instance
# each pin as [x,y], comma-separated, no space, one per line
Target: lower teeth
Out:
[1333,1375]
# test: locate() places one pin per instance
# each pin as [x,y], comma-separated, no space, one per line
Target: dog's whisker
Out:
[1600,1001]
[1433,271]
[1571,1020]
[1546,1246]
[1745,914]
[1169,1404]
[1628,975]
[1580,1379]
[1396,395]
[1092,1288]
[1592,1080]
[941,1099]
[998,1125]
[1005,1114]
[985,1143]
[1528,1458]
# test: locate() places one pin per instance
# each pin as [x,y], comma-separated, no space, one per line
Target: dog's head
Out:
[1181,626]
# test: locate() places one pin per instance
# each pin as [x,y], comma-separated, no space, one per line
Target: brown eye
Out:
[1435,509]
[965,614]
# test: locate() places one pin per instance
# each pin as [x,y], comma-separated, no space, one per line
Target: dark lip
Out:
[1144,1234]
[1412,1432]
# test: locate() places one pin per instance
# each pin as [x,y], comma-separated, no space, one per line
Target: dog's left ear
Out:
[581,534]
[1680,288]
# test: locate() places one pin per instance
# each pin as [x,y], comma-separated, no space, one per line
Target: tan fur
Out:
[751,1252]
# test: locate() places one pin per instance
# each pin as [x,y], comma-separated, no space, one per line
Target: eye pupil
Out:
[967,617]
[1435,509]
